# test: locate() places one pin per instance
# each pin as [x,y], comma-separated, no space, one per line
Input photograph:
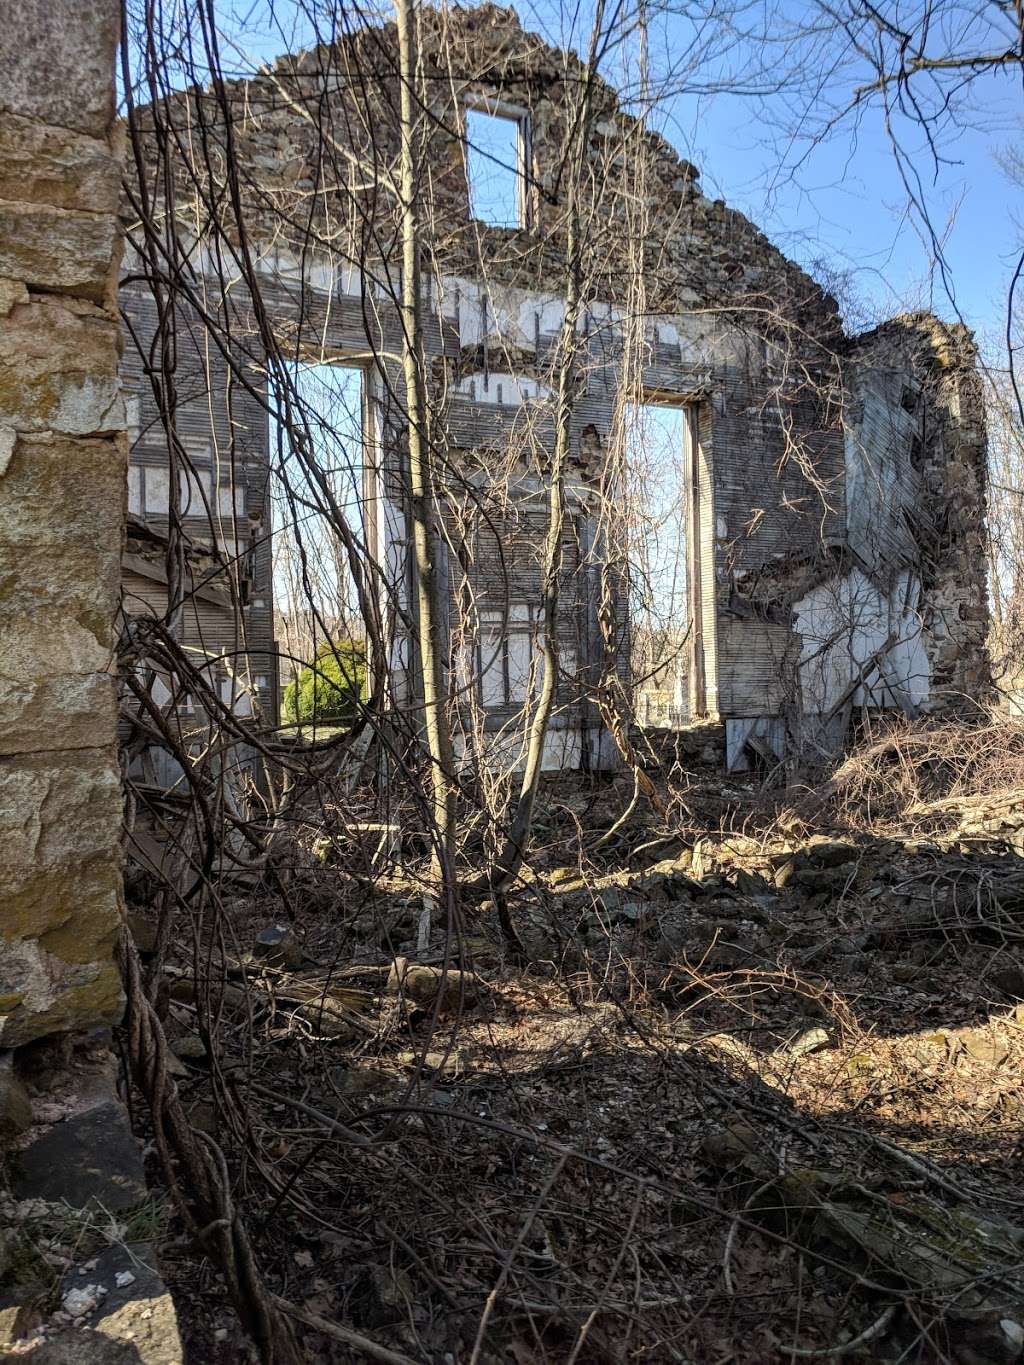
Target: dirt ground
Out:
[752,1093]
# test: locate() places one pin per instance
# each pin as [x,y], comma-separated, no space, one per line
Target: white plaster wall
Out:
[502,387]
[842,623]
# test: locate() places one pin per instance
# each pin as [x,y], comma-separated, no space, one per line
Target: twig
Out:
[929,1173]
[369,1348]
[869,1334]
[332,1125]
[492,1297]
[731,1238]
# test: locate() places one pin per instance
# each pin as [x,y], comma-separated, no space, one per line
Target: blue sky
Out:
[846,204]
[843,202]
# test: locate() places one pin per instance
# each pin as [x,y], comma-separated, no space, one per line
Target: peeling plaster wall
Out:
[62,499]
[918,460]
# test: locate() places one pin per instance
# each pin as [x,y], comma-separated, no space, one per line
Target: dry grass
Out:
[926,775]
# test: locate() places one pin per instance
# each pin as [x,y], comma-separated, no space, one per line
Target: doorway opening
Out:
[665,637]
[322,474]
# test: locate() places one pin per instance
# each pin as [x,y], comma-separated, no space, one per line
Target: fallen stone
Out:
[357,1082]
[81,1346]
[985,1049]
[327,1015]
[191,1048]
[751,883]
[819,878]
[447,1064]
[278,946]
[813,1040]
[90,1157]
[830,853]
[136,1309]
[20,1313]
[727,1148]
[82,1299]
[671,886]
[610,902]
[784,873]
[15,1106]
[422,985]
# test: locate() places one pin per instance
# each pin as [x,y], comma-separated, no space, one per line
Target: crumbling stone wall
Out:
[729,323]
[729,328]
[62,497]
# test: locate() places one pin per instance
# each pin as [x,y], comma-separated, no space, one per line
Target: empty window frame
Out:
[496,158]
[511,665]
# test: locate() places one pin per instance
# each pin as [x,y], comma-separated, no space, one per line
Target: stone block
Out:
[40,994]
[58,368]
[78,582]
[53,643]
[40,164]
[57,62]
[59,893]
[85,479]
[89,1160]
[66,711]
[66,251]
[84,790]
[140,1314]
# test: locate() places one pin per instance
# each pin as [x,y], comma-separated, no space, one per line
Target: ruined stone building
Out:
[806,538]
[828,490]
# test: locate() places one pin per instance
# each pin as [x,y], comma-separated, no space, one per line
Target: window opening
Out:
[511,665]
[495,165]
[313,587]
[656,447]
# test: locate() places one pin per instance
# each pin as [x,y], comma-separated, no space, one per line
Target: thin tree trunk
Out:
[429,634]
[508,862]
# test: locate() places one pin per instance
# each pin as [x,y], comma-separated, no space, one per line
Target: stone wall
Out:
[687,302]
[62,497]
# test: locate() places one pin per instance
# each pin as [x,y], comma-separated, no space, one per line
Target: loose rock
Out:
[15,1106]
[277,946]
[422,985]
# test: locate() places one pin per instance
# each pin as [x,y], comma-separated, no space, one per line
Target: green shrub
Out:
[328,690]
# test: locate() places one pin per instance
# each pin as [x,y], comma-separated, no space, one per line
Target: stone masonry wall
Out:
[62,505]
[724,323]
